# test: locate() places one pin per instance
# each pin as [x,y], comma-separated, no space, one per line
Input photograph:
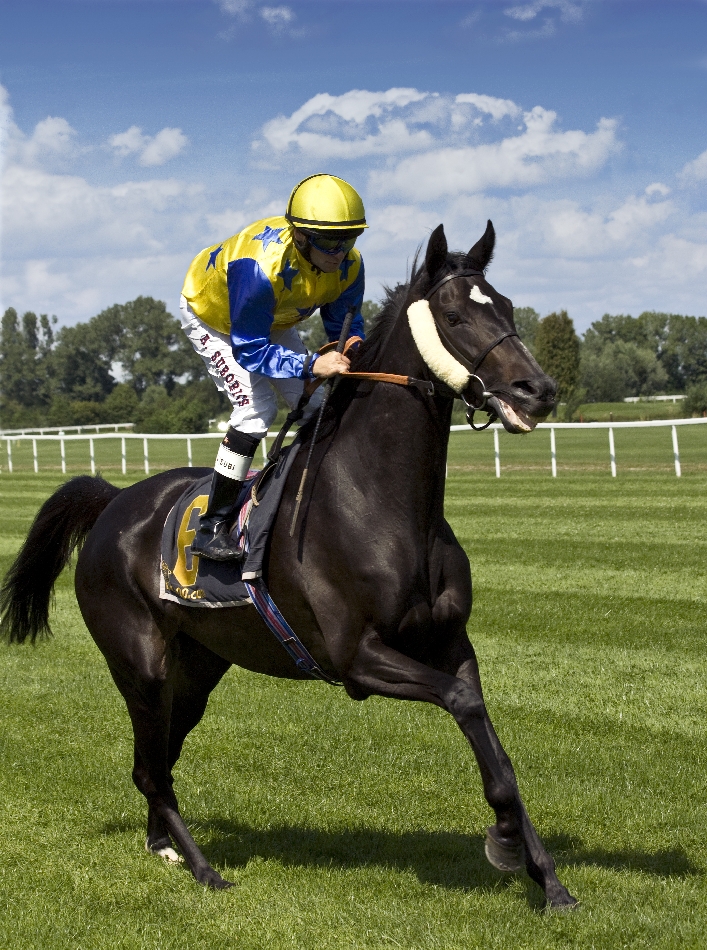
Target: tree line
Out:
[130,363]
[620,356]
[133,363]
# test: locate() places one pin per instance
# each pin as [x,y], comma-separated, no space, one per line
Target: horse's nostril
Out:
[542,389]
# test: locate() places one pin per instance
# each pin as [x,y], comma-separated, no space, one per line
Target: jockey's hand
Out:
[331,364]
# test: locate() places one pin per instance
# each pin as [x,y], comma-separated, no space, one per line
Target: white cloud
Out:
[496,108]
[657,188]
[42,210]
[51,138]
[569,12]
[277,17]
[151,150]
[229,221]
[695,170]
[539,154]
[310,128]
[165,145]
[130,141]
[73,247]
[235,7]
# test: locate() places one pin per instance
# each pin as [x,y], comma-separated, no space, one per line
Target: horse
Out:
[373,579]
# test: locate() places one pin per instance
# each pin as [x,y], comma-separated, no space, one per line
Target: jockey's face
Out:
[327,263]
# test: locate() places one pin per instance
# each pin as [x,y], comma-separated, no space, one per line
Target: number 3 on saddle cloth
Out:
[196,581]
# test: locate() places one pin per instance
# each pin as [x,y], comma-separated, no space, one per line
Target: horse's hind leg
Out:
[144,669]
[197,672]
[380,669]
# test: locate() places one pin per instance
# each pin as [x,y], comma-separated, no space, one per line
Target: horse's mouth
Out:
[514,420]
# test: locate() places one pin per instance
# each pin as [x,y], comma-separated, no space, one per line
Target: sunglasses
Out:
[330,245]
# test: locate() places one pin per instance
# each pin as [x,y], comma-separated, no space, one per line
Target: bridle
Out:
[480,394]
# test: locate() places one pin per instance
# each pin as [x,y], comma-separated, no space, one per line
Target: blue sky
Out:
[136,132]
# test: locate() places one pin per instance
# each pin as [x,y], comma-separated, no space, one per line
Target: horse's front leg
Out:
[379,669]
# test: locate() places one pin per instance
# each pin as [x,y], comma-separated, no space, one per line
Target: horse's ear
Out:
[482,252]
[436,256]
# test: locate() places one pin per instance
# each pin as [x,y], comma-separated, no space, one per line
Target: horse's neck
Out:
[405,431]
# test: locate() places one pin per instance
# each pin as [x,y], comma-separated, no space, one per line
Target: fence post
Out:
[189,453]
[122,453]
[63,454]
[496,452]
[553,453]
[264,446]
[676,452]
[9,457]
[612,453]
[93,458]
[34,455]
[144,452]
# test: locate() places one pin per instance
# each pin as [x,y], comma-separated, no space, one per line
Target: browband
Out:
[461,273]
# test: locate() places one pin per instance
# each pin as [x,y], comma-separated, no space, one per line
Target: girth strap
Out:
[266,607]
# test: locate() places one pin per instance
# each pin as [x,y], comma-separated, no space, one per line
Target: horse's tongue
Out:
[524,424]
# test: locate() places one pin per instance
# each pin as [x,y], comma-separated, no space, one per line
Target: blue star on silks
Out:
[269,236]
[306,311]
[212,257]
[344,267]
[288,274]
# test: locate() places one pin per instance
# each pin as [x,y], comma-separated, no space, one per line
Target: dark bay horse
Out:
[373,580]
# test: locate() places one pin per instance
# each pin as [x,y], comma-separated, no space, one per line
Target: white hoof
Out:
[169,854]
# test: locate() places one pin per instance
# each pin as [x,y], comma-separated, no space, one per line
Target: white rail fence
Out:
[554,426]
[60,430]
[62,438]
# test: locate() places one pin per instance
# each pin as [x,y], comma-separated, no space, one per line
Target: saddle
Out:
[194,581]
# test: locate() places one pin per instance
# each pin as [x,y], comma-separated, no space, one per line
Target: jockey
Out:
[240,304]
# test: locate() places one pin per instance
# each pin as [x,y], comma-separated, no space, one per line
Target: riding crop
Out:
[327,392]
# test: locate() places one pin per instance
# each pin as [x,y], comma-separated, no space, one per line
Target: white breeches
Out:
[251,395]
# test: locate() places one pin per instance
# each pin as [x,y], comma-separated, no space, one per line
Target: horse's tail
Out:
[61,524]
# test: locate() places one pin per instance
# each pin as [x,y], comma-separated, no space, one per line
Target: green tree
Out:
[526,320]
[557,351]
[149,344]
[312,330]
[618,369]
[696,400]
[82,361]
[25,366]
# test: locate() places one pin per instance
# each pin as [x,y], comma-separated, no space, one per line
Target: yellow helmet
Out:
[325,203]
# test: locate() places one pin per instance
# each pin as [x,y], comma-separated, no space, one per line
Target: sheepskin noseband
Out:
[432,350]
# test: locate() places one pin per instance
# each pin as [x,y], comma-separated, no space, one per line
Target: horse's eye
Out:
[452,318]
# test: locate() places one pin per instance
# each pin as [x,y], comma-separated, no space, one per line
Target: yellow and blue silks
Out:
[257,280]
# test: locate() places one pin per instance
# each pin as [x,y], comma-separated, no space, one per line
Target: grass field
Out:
[352,825]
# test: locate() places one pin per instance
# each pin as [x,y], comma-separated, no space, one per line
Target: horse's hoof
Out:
[213,880]
[164,849]
[504,857]
[562,906]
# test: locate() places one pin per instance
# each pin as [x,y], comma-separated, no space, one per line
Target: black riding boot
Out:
[213,539]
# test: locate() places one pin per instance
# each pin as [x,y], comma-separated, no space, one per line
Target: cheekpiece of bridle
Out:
[479,393]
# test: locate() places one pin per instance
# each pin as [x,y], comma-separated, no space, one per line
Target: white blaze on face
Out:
[475,294]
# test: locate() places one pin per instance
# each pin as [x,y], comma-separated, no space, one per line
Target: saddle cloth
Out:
[196,581]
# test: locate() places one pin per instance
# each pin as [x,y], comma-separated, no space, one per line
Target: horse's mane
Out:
[366,357]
